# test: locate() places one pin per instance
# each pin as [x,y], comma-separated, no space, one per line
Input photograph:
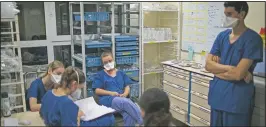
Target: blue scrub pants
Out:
[222,119]
[130,111]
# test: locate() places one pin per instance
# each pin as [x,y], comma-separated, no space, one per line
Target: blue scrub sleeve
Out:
[33,90]
[69,113]
[254,50]
[97,82]
[127,80]
[216,48]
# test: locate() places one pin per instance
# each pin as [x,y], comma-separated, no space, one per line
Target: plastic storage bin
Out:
[97,44]
[126,59]
[131,73]
[121,38]
[134,90]
[126,53]
[92,61]
[93,16]
[127,43]
[127,48]
[175,89]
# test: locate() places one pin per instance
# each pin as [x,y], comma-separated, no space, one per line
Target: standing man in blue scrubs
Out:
[232,60]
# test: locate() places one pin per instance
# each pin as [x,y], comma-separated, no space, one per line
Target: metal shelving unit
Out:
[11,64]
[115,25]
[161,39]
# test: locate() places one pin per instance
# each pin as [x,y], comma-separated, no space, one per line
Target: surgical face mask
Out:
[76,94]
[109,66]
[230,22]
[56,78]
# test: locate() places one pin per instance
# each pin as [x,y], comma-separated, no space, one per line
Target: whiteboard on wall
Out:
[201,23]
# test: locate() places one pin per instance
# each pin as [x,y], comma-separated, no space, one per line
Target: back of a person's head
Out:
[156,106]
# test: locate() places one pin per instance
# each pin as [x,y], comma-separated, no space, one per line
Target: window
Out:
[63,54]
[34,56]
[62,19]
[31,21]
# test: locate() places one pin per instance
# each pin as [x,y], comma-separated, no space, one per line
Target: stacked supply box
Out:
[127,58]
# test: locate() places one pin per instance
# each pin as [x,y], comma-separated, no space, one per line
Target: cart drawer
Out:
[258,121]
[175,89]
[200,87]
[199,99]
[202,78]
[197,121]
[178,102]
[200,111]
[178,114]
[176,79]
[175,70]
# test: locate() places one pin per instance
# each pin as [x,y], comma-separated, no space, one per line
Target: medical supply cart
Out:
[112,33]
[160,39]
[11,64]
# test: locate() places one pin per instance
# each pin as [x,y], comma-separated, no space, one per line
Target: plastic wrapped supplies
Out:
[9,61]
[8,9]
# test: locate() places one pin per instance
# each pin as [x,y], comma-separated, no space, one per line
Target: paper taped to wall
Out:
[91,109]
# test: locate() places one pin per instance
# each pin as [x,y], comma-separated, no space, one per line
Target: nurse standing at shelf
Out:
[59,110]
[232,60]
[40,85]
[112,87]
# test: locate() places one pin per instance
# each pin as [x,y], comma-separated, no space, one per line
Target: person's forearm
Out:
[35,107]
[99,91]
[127,90]
[230,75]
[216,68]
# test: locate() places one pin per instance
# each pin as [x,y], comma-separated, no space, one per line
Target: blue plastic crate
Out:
[131,73]
[127,48]
[93,16]
[121,38]
[97,44]
[127,43]
[134,90]
[126,53]
[93,61]
[126,59]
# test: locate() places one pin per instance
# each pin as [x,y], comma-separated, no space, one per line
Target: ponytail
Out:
[158,118]
[71,74]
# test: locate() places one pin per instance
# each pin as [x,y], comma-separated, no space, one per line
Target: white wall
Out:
[254,20]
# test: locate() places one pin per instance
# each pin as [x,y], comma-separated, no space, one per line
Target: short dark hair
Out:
[238,5]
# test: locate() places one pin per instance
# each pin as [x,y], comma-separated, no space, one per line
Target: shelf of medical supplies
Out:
[153,71]
[16,95]
[121,38]
[18,106]
[132,73]
[12,83]
[126,59]
[105,3]
[8,46]
[126,53]
[8,33]
[127,48]
[127,43]
[164,41]
[159,10]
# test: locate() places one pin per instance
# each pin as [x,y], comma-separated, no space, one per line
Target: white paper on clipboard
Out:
[91,109]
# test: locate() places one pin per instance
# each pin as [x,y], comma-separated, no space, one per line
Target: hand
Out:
[248,77]
[123,95]
[80,113]
[216,59]
[114,94]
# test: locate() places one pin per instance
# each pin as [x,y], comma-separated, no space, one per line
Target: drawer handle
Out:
[204,110]
[203,120]
[203,83]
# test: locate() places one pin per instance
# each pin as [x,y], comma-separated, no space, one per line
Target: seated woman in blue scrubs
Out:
[59,110]
[112,87]
[40,85]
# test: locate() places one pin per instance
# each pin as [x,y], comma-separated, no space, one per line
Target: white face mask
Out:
[76,94]
[230,22]
[109,66]
[56,78]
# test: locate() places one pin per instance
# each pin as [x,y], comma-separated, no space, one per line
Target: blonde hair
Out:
[54,65]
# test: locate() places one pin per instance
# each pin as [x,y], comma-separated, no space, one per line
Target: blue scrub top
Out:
[36,90]
[61,111]
[115,84]
[235,96]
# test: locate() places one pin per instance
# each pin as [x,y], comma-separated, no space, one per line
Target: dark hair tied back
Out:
[158,118]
